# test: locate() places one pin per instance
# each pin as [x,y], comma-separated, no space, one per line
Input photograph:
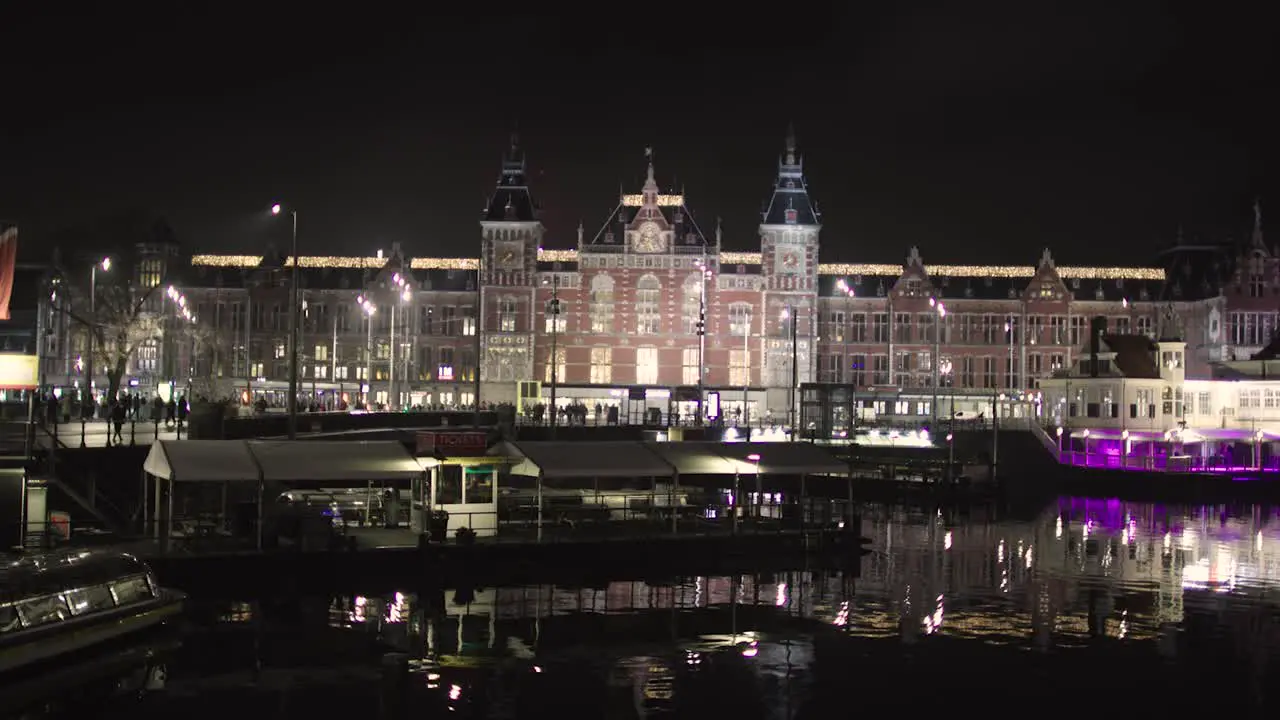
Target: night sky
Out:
[979,132]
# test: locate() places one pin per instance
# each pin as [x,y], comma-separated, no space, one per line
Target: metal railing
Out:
[1165,463]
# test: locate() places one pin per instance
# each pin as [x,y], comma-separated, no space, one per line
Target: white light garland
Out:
[726,258]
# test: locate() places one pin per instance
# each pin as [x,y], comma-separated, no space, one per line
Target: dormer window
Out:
[791,216]
[1046,291]
[913,286]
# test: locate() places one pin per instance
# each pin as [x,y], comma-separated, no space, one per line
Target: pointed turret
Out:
[1258,242]
[512,201]
[791,204]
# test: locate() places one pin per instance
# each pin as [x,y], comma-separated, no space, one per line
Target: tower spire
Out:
[791,204]
[512,201]
[1257,223]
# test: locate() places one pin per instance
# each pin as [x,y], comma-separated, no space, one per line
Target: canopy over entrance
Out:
[201,461]
[628,459]
[568,460]
[790,458]
[700,458]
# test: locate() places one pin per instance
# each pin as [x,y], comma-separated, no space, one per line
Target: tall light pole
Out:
[105,264]
[746,376]
[555,334]
[369,309]
[293,323]
[843,286]
[789,316]
[703,274]
[405,293]
[941,311]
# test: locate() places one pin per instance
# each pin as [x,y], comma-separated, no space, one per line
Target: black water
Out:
[1092,607]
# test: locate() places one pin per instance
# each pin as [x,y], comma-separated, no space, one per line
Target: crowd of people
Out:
[126,407]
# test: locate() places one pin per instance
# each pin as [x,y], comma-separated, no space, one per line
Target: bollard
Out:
[395,684]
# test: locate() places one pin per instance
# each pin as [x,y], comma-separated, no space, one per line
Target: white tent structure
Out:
[666,461]
[550,460]
[334,461]
[232,462]
[191,461]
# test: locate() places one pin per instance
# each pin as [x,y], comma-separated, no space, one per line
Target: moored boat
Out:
[56,605]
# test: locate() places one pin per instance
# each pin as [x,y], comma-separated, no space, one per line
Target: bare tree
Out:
[120,319]
[119,315]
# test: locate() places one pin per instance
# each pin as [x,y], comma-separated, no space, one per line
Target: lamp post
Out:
[369,309]
[703,274]
[555,334]
[843,286]
[105,264]
[293,322]
[941,311]
[755,458]
[789,316]
[746,375]
[405,293]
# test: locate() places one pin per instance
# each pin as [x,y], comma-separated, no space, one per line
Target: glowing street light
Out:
[294,308]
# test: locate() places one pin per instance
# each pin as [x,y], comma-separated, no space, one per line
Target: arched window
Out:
[648,292]
[691,306]
[601,309]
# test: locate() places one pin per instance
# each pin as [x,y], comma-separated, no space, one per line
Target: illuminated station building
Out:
[653,305]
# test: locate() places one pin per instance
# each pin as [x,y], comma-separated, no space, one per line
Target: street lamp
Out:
[704,273]
[105,264]
[369,309]
[755,458]
[405,294]
[293,322]
[941,310]
[555,358]
[789,316]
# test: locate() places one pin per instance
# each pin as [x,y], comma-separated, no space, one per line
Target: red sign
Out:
[455,444]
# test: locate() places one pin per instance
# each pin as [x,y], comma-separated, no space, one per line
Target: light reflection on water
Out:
[1145,586]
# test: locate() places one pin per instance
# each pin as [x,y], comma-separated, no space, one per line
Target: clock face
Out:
[509,255]
[789,260]
[649,238]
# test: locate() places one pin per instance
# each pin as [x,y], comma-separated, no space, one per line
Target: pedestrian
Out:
[117,421]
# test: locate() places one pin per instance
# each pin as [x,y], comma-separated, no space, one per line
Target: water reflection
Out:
[1157,589]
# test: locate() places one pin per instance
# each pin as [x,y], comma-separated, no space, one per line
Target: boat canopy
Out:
[44,573]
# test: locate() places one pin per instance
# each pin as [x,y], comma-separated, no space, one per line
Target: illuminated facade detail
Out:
[659,201]
[774,317]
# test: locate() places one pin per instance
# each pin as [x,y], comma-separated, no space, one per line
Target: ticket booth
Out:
[461,485]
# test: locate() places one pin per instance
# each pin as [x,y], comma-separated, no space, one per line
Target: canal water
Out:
[1090,607]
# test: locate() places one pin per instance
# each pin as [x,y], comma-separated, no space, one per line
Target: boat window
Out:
[41,610]
[90,599]
[131,589]
[9,619]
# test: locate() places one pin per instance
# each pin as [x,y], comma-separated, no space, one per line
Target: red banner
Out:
[8,260]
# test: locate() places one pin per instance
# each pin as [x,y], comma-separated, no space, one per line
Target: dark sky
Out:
[978,131]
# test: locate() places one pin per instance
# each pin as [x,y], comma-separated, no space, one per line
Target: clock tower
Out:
[510,232]
[789,231]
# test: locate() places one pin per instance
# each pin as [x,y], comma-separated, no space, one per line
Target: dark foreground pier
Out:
[373,569]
